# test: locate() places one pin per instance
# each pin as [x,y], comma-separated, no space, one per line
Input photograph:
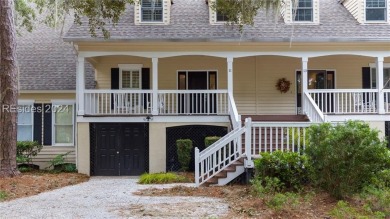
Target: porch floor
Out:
[276,118]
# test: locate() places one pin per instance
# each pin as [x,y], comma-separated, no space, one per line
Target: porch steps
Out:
[227,175]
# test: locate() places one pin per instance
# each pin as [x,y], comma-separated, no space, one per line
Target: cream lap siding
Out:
[287,8]
[48,153]
[166,14]
[357,9]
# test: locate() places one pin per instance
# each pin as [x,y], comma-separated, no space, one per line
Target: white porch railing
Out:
[174,102]
[387,100]
[345,101]
[117,102]
[234,116]
[272,136]
[218,156]
[311,109]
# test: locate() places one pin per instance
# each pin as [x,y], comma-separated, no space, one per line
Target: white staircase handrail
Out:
[218,156]
[234,116]
[312,110]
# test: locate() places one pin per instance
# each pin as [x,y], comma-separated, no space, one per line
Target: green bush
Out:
[209,140]
[266,186]
[281,200]
[66,167]
[26,150]
[344,210]
[3,195]
[290,168]
[161,178]
[184,147]
[345,157]
[59,162]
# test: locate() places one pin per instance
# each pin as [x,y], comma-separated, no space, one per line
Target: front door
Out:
[120,149]
[197,103]
[317,79]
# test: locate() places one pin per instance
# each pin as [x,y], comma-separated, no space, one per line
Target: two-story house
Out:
[174,69]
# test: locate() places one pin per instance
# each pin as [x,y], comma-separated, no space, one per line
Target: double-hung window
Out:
[63,123]
[386,78]
[376,10]
[303,11]
[152,10]
[25,122]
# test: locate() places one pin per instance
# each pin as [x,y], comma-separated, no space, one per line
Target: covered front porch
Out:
[322,84]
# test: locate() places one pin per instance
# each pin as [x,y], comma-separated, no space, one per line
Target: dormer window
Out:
[221,17]
[304,11]
[152,10]
[376,10]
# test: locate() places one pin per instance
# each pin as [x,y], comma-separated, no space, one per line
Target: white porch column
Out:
[155,86]
[80,83]
[230,74]
[304,80]
[379,82]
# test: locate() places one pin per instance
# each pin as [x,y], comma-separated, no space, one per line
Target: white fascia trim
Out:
[63,102]
[385,65]
[26,102]
[130,66]
[47,91]
[366,118]
[157,119]
[297,54]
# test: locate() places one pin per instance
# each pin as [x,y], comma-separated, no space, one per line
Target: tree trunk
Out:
[8,90]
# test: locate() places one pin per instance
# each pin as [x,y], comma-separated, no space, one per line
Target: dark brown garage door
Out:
[119,149]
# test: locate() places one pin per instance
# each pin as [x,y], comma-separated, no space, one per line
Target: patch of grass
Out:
[161,178]
[3,195]
[281,200]
[344,210]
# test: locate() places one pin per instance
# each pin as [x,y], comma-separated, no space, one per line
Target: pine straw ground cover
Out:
[33,183]
[243,203]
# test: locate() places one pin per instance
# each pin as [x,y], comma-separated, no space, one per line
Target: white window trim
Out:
[130,67]
[62,102]
[31,104]
[378,21]
[151,22]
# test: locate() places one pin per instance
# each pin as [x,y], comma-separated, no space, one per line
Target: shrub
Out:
[3,195]
[290,168]
[376,199]
[281,200]
[344,210]
[26,150]
[184,147]
[58,161]
[209,140]
[66,167]
[161,178]
[346,156]
[266,186]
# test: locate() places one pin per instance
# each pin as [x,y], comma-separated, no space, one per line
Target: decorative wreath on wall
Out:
[283,85]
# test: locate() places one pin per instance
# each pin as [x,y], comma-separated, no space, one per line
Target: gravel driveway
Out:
[111,197]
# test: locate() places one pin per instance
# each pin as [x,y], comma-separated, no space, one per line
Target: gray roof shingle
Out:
[190,22]
[46,62]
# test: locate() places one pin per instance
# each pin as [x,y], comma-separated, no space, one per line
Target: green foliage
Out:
[184,147]
[281,200]
[266,186]
[344,210]
[58,160]
[290,168]
[26,150]
[345,157]
[377,199]
[3,195]
[243,12]
[209,140]
[161,178]
[65,167]
[297,138]
[25,15]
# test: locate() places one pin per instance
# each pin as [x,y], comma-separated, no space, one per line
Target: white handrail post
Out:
[197,175]
[379,84]
[80,85]
[155,86]
[248,146]
[304,80]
